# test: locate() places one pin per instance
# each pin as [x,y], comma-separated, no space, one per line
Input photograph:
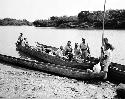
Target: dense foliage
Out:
[9,21]
[114,19]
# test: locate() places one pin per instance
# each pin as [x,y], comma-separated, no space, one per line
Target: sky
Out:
[44,9]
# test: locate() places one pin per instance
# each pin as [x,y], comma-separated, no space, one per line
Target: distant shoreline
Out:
[57,27]
[14,22]
[114,19]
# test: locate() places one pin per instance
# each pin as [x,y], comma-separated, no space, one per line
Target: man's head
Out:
[24,38]
[105,40]
[69,43]
[76,45]
[83,40]
[61,47]
[21,34]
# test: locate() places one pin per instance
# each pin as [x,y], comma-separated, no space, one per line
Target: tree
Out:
[83,16]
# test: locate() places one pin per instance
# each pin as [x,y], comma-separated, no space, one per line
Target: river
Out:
[20,83]
[57,37]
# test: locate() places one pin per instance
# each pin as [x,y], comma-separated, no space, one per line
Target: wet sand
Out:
[16,83]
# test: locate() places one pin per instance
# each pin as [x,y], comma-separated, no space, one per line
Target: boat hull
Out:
[116,72]
[45,57]
[51,68]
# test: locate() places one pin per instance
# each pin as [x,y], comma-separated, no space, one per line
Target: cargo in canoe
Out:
[47,58]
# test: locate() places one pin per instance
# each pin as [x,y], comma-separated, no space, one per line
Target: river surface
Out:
[18,83]
[57,37]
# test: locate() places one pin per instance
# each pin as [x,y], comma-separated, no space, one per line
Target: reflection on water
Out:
[57,37]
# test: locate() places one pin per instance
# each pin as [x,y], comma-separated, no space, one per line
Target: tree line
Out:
[15,22]
[114,19]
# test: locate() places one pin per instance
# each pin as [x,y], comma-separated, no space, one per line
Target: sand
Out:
[17,83]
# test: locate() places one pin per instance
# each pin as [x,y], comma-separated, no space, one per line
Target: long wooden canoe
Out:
[45,57]
[52,68]
[116,71]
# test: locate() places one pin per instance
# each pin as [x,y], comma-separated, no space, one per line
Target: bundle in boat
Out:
[45,57]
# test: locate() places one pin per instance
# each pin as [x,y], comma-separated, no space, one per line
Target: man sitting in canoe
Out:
[25,42]
[77,52]
[20,39]
[60,53]
[107,48]
[68,50]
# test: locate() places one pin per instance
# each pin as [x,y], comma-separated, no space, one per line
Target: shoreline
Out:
[18,83]
[57,27]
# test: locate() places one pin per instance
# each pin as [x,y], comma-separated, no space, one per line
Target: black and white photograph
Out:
[62,49]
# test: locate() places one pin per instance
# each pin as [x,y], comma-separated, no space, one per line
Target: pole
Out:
[103,23]
[103,33]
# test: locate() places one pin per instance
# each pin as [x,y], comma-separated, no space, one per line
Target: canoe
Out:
[52,68]
[116,72]
[45,57]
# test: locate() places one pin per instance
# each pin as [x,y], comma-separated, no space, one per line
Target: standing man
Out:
[68,50]
[107,55]
[84,49]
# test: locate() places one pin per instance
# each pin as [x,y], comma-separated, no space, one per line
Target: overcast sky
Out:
[43,9]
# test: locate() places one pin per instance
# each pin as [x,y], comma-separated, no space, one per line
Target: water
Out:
[18,83]
[57,37]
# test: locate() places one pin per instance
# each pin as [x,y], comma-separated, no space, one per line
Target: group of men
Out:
[82,52]
[22,41]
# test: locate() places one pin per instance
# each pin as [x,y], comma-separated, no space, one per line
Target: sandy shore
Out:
[17,83]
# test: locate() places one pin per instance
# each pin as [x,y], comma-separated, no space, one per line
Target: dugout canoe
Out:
[116,72]
[51,68]
[45,57]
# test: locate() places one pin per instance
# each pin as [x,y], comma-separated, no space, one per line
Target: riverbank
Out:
[17,83]
[114,19]
[14,22]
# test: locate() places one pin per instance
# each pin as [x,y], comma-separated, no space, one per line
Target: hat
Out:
[83,39]
[69,41]
[105,39]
